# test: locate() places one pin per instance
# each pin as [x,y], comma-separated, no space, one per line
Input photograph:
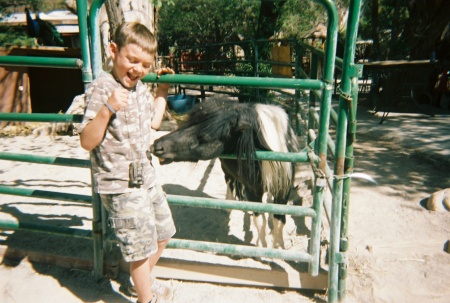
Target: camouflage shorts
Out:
[140,219]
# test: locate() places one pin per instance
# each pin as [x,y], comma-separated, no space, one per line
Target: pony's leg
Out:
[278,226]
[260,223]
[230,192]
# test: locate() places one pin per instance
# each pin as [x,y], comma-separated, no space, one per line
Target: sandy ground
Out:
[396,249]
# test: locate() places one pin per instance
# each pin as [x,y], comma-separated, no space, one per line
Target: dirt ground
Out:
[397,247]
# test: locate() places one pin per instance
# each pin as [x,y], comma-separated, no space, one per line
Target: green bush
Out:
[15,36]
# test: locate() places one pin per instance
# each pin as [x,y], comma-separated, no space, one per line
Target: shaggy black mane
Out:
[219,119]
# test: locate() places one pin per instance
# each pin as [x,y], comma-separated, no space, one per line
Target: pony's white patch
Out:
[274,128]
[273,121]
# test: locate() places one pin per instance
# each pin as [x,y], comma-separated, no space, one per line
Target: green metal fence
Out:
[337,179]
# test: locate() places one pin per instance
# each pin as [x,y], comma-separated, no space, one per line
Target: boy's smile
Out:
[131,63]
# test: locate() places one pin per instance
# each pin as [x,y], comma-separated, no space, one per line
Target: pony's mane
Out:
[212,118]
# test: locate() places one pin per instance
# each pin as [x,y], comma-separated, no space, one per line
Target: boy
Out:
[116,131]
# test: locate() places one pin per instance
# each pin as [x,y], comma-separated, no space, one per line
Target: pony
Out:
[218,127]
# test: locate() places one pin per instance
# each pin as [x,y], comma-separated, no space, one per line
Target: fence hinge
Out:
[340,258]
[343,244]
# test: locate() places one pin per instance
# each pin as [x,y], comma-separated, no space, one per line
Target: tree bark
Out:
[426,25]
[268,16]
[119,11]
[395,31]
[375,28]
[115,15]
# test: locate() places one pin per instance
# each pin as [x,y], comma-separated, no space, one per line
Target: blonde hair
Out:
[135,33]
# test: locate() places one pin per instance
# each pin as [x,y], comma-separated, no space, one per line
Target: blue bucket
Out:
[181,103]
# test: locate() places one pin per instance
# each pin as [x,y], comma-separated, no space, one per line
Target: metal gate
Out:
[336,179]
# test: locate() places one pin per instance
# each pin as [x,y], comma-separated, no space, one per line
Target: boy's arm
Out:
[160,105]
[161,99]
[93,133]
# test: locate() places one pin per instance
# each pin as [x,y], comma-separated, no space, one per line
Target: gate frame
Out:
[345,137]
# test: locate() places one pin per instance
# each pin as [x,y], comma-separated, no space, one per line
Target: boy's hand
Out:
[164,71]
[118,99]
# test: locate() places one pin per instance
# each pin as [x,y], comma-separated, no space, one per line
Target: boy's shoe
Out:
[163,292]
[154,300]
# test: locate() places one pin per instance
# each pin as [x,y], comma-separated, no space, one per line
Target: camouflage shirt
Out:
[127,137]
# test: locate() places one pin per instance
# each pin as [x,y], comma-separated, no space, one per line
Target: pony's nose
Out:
[152,148]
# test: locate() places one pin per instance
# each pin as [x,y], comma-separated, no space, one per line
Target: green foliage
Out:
[15,36]
[392,44]
[190,22]
[299,17]
[159,3]
[250,94]
[405,29]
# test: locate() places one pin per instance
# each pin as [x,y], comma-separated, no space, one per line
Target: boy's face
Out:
[130,64]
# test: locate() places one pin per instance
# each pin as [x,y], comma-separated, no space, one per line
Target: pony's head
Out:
[210,129]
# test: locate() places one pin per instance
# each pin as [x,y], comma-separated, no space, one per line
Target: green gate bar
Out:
[45,228]
[324,118]
[236,81]
[45,194]
[343,151]
[40,117]
[241,205]
[228,249]
[75,63]
[239,250]
[173,199]
[302,156]
[45,159]
[84,41]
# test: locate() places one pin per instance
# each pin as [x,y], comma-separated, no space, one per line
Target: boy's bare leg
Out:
[155,257]
[140,273]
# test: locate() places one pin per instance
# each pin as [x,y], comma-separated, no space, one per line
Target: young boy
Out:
[116,131]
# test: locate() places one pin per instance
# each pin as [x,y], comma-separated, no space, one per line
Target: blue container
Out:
[181,103]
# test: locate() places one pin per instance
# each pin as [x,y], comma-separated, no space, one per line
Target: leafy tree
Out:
[269,13]
[190,22]
[299,17]
[402,29]
[15,36]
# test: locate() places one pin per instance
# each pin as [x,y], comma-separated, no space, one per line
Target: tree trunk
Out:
[115,15]
[268,16]
[395,31]
[375,28]
[426,25]
[118,11]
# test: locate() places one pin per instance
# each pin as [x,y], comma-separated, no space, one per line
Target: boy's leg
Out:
[161,290]
[132,217]
[155,257]
[140,273]
[165,227]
